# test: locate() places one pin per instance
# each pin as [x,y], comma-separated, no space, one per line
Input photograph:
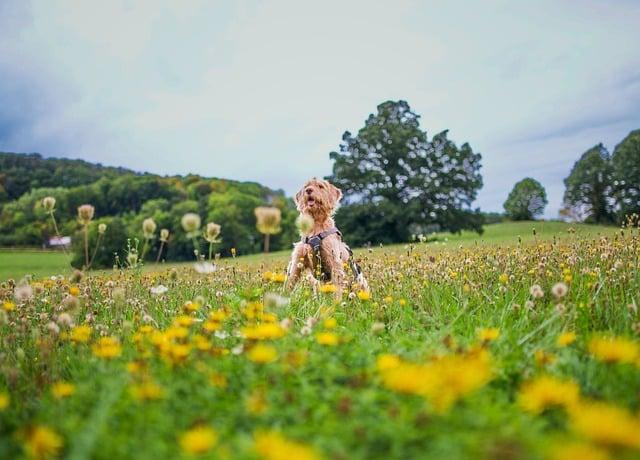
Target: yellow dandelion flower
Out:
[488,334]
[503,278]
[218,380]
[566,338]
[264,331]
[402,302]
[273,446]
[614,349]
[74,291]
[61,390]
[387,361]
[42,442]
[330,323]
[327,338]
[107,348]
[545,392]
[542,358]
[198,440]
[80,334]
[364,295]
[327,288]
[262,354]
[8,306]
[606,424]
[146,391]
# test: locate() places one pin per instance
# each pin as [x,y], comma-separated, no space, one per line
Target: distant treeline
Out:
[123,199]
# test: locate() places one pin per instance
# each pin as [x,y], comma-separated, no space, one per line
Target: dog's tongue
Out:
[311,201]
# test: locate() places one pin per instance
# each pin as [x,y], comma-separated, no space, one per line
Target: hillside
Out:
[123,199]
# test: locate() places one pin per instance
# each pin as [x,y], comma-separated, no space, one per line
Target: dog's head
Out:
[318,198]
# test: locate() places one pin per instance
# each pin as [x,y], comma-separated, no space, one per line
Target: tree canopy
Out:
[396,181]
[625,162]
[589,186]
[526,201]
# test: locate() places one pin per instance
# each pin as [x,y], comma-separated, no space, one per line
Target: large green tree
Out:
[526,201]
[397,182]
[626,171]
[589,186]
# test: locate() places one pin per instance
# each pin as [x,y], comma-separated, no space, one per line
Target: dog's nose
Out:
[309,190]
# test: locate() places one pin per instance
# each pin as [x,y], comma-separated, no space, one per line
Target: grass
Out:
[16,264]
[461,350]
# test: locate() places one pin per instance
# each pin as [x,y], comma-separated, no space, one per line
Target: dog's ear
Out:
[336,192]
[298,199]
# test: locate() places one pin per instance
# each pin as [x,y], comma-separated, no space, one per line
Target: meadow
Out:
[517,344]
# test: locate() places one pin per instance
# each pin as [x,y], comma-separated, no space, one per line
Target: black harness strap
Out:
[315,241]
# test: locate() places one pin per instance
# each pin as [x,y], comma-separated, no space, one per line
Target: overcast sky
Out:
[264,90]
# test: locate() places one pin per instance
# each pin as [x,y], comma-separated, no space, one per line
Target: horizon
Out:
[263,93]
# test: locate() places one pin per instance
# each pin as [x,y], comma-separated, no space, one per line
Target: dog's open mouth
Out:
[311,201]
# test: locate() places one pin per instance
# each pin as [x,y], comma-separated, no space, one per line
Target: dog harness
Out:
[320,269]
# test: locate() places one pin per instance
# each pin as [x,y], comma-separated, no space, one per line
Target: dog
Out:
[321,254]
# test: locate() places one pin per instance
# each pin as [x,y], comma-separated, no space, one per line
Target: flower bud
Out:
[304,222]
[85,213]
[148,228]
[164,235]
[211,232]
[190,222]
[49,203]
[102,228]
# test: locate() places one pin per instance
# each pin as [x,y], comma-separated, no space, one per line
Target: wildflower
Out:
[23,292]
[49,203]
[80,334]
[8,305]
[536,291]
[53,328]
[273,446]
[262,354]
[327,288]
[304,223]
[327,338]
[218,380]
[566,338]
[4,400]
[559,290]
[264,331]
[257,402]
[614,349]
[85,213]
[149,227]
[198,440]
[42,442]
[578,451]
[364,295]
[146,391]
[212,232]
[488,334]
[61,390]
[74,291]
[503,278]
[268,219]
[158,290]
[164,235]
[102,228]
[107,348]
[606,424]
[387,361]
[545,392]
[190,223]
[330,323]
[205,267]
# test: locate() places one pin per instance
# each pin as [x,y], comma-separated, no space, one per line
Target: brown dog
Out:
[321,253]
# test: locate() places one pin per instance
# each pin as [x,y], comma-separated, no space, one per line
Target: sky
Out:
[263,90]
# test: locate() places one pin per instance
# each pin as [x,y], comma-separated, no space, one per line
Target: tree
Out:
[626,172]
[526,201]
[589,186]
[391,170]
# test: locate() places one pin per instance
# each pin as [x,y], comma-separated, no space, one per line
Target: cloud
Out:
[264,90]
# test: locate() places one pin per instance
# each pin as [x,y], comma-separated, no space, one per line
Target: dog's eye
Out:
[321,186]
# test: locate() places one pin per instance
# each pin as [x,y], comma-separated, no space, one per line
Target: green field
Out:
[460,350]
[16,264]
